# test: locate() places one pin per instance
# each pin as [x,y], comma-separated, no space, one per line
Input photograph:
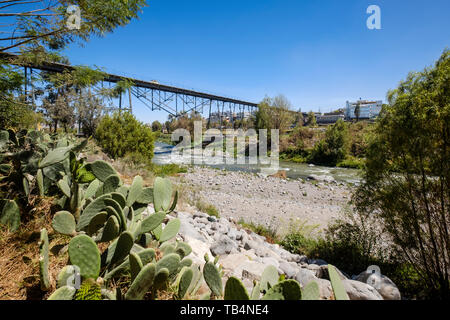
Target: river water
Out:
[293,170]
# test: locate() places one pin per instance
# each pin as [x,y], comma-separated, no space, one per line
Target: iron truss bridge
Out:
[173,100]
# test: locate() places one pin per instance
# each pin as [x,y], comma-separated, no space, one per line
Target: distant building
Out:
[368,109]
[329,119]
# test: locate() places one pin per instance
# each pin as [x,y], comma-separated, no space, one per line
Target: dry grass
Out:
[19,257]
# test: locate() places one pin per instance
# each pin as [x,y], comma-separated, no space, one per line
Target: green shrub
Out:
[268,232]
[352,163]
[207,208]
[334,148]
[123,134]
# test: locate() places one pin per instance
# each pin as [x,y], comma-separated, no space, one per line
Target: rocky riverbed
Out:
[245,255]
[268,201]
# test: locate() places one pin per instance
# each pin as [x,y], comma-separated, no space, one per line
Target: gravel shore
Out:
[267,201]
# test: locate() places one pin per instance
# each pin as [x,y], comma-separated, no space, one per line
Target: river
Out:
[162,155]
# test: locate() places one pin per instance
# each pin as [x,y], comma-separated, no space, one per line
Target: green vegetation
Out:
[123,134]
[207,208]
[407,174]
[342,145]
[268,232]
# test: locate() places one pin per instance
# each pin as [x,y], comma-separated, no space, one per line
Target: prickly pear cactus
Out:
[84,254]
[89,290]
[213,279]
[285,290]
[170,262]
[142,283]
[338,288]
[162,194]
[63,293]
[102,170]
[269,278]
[235,290]
[135,190]
[311,291]
[135,265]
[10,215]
[64,223]
[171,230]
[43,260]
[185,282]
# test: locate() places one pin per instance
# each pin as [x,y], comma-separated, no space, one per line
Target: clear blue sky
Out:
[319,54]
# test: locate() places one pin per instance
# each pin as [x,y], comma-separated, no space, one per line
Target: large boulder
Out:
[357,290]
[385,286]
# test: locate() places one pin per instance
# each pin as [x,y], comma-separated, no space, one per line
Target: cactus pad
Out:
[235,290]
[43,261]
[83,252]
[63,293]
[142,283]
[64,223]
[171,230]
[213,278]
[162,194]
[285,290]
[338,288]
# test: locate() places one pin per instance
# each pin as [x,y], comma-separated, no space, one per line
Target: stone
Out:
[202,220]
[358,290]
[299,258]
[385,286]
[223,246]
[199,249]
[325,275]
[319,262]
[251,270]
[188,230]
[232,234]
[305,276]
[269,261]
[317,270]
[325,289]
[233,261]
[290,269]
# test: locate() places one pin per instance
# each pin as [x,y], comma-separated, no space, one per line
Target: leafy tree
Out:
[312,122]
[274,114]
[407,176]
[334,147]
[44,24]
[156,126]
[122,134]
[90,109]
[299,119]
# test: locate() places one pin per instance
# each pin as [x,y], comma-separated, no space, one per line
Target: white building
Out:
[368,109]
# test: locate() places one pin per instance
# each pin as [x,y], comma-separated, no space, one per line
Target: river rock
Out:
[199,249]
[319,262]
[290,269]
[325,289]
[385,286]
[223,246]
[305,276]
[357,290]
[269,261]
[317,270]
[189,230]
[231,262]
[251,270]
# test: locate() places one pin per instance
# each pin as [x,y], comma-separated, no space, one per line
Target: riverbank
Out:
[268,201]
